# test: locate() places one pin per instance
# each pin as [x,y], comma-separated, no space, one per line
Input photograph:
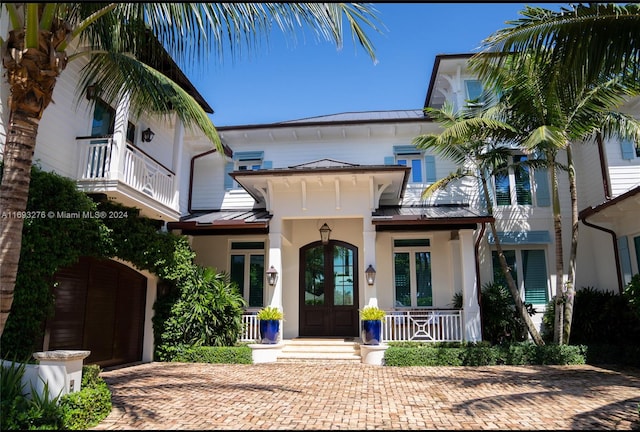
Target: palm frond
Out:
[444,182]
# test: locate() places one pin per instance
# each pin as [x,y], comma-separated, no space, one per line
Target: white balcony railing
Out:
[441,325]
[139,170]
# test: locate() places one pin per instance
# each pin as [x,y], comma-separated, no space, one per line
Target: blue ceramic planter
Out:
[269,331]
[371,332]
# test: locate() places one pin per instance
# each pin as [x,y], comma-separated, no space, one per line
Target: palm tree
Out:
[582,40]
[114,38]
[551,110]
[473,143]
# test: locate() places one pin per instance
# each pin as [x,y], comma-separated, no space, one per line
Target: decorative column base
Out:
[265,353]
[373,354]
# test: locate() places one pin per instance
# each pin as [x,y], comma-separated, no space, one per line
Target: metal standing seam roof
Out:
[259,218]
[430,215]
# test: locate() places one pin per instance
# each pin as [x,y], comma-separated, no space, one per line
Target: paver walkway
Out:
[357,396]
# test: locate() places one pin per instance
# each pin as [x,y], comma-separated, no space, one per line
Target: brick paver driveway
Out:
[356,396]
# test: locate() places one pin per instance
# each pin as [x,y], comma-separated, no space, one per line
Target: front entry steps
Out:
[321,350]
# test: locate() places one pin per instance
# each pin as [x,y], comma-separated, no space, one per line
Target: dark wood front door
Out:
[329,289]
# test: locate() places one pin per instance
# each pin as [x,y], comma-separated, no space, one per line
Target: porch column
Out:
[119,140]
[275,260]
[178,143]
[369,257]
[471,311]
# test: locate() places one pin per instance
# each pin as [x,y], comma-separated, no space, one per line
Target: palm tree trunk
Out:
[515,293]
[32,74]
[557,225]
[14,191]
[570,294]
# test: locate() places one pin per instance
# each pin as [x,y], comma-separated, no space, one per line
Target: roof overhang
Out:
[223,222]
[390,180]
[614,210]
[442,217]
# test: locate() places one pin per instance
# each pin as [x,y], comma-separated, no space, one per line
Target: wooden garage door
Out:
[99,306]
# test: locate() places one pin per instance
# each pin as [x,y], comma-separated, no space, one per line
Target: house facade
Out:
[333,206]
[359,175]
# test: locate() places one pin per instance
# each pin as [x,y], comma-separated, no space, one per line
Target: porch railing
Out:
[441,325]
[139,170]
[250,328]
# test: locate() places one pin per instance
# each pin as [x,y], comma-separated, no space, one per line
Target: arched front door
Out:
[329,289]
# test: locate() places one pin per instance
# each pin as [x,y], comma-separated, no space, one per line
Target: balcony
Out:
[132,178]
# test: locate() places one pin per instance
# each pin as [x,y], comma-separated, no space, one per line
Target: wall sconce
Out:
[91,91]
[147,135]
[272,276]
[371,274]
[325,233]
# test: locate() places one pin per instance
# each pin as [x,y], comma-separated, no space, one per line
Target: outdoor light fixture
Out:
[91,91]
[371,274]
[272,275]
[325,232]
[147,135]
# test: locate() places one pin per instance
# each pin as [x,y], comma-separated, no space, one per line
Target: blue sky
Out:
[286,81]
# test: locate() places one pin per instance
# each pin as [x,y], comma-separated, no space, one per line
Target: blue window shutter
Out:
[430,168]
[625,259]
[267,164]
[228,180]
[628,149]
[543,196]
[389,160]
[534,270]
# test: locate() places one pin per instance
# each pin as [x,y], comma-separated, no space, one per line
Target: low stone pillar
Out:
[265,353]
[61,369]
[373,354]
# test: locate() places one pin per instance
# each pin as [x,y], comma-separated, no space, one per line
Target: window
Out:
[474,91]
[513,185]
[412,273]
[244,161]
[529,271]
[247,271]
[103,119]
[103,123]
[636,242]
[423,167]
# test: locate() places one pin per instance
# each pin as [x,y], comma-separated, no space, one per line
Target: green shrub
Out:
[79,410]
[89,406]
[632,294]
[599,318]
[240,354]
[500,321]
[480,354]
[206,311]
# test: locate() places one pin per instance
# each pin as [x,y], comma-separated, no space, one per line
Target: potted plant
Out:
[269,317]
[371,317]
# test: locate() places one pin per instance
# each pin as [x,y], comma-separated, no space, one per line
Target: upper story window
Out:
[474,91]
[103,122]
[244,161]
[412,273]
[513,186]
[423,167]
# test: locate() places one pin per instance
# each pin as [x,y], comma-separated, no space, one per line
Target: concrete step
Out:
[320,349]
